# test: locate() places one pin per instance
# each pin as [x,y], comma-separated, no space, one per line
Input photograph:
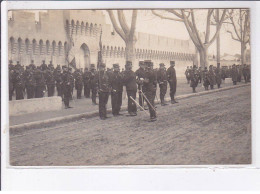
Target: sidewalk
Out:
[84,106]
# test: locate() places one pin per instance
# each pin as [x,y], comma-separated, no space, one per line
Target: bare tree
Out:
[240,22]
[125,32]
[187,16]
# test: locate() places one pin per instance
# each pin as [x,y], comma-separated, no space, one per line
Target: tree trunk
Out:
[130,50]
[203,57]
[243,49]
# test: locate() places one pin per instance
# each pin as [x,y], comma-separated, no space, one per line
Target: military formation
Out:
[38,81]
[215,75]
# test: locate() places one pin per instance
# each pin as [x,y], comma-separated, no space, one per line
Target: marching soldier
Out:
[66,88]
[116,82]
[187,74]
[218,76]
[50,81]
[234,74]
[171,77]
[162,81]
[205,79]
[129,79]
[58,79]
[194,77]
[211,77]
[30,83]
[103,91]
[140,74]
[93,78]
[149,89]
[86,81]
[78,83]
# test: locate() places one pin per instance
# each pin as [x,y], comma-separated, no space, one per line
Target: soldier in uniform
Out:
[239,69]
[44,66]
[66,88]
[116,82]
[171,77]
[93,78]
[86,81]
[187,74]
[129,79]
[149,89]
[211,77]
[194,77]
[234,74]
[58,79]
[218,76]
[30,83]
[11,79]
[205,79]
[50,80]
[140,73]
[78,83]
[162,81]
[103,90]
[19,82]
[245,73]
[72,82]
[223,73]
[40,83]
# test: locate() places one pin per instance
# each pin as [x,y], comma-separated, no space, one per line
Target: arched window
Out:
[67,26]
[87,28]
[91,29]
[82,27]
[72,26]
[107,51]
[12,45]
[60,47]
[95,29]
[41,47]
[34,46]
[27,44]
[111,51]
[47,47]
[66,48]
[77,27]
[53,47]
[19,45]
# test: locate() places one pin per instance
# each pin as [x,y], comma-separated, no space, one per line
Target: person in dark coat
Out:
[58,80]
[239,70]
[40,83]
[218,76]
[11,71]
[187,74]
[72,82]
[66,87]
[234,74]
[205,79]
[223,73]
[194,77]
[116,82]
[129,79]
[50,81]
[104,88]
[149,89]
[78,82]
[93,78]
[162,81]
[211,77]
[140,73]
[86,81]
[19,82]
[171,78]
[30,83]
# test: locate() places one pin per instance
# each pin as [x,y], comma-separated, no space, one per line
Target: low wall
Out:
[19,107]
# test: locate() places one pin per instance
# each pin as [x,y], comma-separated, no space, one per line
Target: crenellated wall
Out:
[48,40]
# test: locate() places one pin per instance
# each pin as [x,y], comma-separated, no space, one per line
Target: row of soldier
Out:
[215,75]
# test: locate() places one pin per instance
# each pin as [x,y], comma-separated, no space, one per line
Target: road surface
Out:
[208,129]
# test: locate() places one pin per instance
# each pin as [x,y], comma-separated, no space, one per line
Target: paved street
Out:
[208,129]
[85,105]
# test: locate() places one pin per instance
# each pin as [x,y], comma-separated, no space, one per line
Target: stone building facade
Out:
[48,38]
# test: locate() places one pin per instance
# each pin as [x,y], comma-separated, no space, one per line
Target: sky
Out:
[149,23]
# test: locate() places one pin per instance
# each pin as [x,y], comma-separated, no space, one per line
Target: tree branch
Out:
[122,21]
[195,27]
[210,11]
[165,17]
[233,36]
[116,27]
[133,23]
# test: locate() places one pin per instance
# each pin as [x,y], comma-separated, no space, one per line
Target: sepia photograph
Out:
[105,87]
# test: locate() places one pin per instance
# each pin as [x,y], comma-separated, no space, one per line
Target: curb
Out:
[58,120]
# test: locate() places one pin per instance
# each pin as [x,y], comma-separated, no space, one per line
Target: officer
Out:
[129,79]
[103,90]
[78,83]
[86,81]
[162,81]
[58,80]
[66,88]
[211,77]
[72,82]
[218,75]
[205,79]
[116,82]
[187,71]
[194,77]
[50,80]
[30,83]
[140,73]
[93,78]
[40,83]
[234,74]
[171,77]
[149,88]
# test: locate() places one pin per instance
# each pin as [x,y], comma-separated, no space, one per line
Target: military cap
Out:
[162,65]
[147,62]
[141,63]
[172,62]
[116,65]
[43,61]
[17,62]
[102,65]
[64,66]
[128,63]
